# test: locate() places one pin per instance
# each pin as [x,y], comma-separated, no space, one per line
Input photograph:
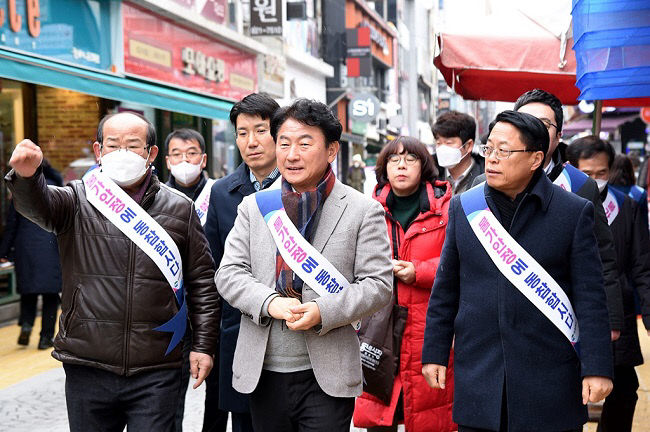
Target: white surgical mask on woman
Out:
[186,172]
[124,167]
[449,157]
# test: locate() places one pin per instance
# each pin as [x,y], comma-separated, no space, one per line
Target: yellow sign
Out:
[150,53]
[242,82]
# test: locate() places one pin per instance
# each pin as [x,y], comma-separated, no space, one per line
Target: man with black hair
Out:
[303,263]
[595,157]
[455,133]
[186,161]
[135,265]
[251,118]
[548,108]
[529,275]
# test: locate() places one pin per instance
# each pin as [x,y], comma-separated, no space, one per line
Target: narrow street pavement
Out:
[32,389]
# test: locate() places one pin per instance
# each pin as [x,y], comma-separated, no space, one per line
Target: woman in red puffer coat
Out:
[416,214]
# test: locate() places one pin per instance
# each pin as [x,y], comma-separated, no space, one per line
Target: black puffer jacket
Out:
[113,294]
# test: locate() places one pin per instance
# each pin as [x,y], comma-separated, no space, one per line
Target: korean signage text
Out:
[33,15]
[159,49]
[266,17]
[63,30]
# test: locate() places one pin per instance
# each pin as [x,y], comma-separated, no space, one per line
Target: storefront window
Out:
[225,156]
[12,129]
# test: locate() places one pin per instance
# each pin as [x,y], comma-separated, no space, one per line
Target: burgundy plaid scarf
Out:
[301,208]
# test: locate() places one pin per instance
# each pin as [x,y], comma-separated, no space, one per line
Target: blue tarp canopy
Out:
[38,71]
[612,47]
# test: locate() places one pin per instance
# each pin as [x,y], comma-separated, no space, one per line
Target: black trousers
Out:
[214,419]
[619,406]
[503,427]
[294,402]
[102,401]
[241,422]
[185,378]
[28,312]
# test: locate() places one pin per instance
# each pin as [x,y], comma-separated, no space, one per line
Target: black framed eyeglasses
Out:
[409,159]
[499,153]
[548,124]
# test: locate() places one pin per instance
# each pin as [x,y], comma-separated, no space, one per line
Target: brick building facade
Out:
[67,124]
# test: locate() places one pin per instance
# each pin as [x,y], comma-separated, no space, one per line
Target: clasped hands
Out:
[298,316]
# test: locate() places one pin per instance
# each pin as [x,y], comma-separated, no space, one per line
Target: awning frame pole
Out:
[598,117]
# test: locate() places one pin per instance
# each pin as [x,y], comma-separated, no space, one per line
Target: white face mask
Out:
[449,157]
[123,167]
[186,172]
[601,184]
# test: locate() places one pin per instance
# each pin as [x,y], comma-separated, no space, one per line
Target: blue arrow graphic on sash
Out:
[178,323]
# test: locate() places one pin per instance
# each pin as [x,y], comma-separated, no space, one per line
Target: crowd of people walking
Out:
[491,286]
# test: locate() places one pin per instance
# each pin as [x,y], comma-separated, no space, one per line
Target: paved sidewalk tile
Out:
[32,387]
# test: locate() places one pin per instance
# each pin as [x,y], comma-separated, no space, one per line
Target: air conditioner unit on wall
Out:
[297,10]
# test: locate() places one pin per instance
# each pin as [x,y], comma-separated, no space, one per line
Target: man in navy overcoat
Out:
[514,370]
[251,119]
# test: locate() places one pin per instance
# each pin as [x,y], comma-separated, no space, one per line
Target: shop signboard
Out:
[72,31]
[359,128]
[364,107]
[159,49]
[214,10]
[272,75]
[266,17]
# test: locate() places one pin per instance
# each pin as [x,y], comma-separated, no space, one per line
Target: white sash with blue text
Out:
[132,220]
[518,266]
[203,201]
[571,179]
[610,204]
[305,261]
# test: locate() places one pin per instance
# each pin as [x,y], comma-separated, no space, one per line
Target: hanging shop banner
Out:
[214,10]
[159,49]
[72,31]
[273,70]
[266,17]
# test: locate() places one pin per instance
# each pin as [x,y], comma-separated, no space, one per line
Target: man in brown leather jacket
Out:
[114,296]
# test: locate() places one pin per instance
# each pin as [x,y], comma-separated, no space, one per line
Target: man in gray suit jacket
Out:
[297,354]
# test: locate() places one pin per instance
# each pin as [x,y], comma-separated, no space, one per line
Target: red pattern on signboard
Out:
[363,36]
[354,67]
[159,49]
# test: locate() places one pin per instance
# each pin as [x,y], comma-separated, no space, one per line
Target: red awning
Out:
[502,68]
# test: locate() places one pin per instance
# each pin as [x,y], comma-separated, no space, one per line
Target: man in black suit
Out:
[251,118]
[528,277]
[548,109]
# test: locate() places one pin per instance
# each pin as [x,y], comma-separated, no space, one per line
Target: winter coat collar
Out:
[437,193]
